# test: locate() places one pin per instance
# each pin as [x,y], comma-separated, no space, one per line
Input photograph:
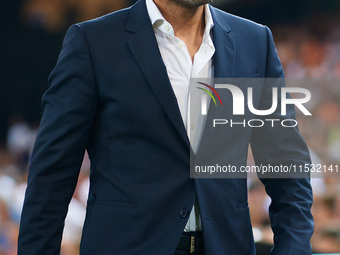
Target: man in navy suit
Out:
[118,91]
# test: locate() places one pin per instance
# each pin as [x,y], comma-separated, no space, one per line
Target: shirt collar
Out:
[159,22]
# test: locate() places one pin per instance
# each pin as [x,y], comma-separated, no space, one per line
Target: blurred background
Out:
[307,36]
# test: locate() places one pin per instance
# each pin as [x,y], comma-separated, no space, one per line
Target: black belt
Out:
[191,242]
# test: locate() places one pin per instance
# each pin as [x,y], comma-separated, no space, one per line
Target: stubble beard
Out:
[190,4]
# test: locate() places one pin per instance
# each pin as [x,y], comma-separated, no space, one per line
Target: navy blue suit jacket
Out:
[110,94]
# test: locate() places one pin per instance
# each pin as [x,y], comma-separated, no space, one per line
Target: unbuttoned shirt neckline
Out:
[164,28]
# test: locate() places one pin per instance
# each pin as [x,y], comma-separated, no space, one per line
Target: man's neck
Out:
[188,23]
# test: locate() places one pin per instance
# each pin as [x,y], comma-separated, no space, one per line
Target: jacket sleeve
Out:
[292,198]
[69,107]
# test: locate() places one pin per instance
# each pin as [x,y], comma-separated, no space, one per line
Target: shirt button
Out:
[193,127]
[181,45]
[183,213]
[167,27]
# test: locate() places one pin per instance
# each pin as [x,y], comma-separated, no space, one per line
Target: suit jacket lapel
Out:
[225,47]
[224,62]
[144,47]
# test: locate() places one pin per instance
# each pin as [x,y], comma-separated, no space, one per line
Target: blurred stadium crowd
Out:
[307,49]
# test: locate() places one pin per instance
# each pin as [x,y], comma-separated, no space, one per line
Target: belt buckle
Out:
[192,244]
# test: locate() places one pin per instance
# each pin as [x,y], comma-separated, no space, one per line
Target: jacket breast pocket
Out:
[250,81]
[242,205]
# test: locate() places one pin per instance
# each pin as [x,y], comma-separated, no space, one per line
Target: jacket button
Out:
[183,213]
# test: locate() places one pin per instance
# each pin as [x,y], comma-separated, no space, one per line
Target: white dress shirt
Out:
[181,69]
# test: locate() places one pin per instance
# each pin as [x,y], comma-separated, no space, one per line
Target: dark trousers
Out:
[179,252]
[182,252]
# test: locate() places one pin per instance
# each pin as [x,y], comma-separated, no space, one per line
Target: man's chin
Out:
[190,4]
